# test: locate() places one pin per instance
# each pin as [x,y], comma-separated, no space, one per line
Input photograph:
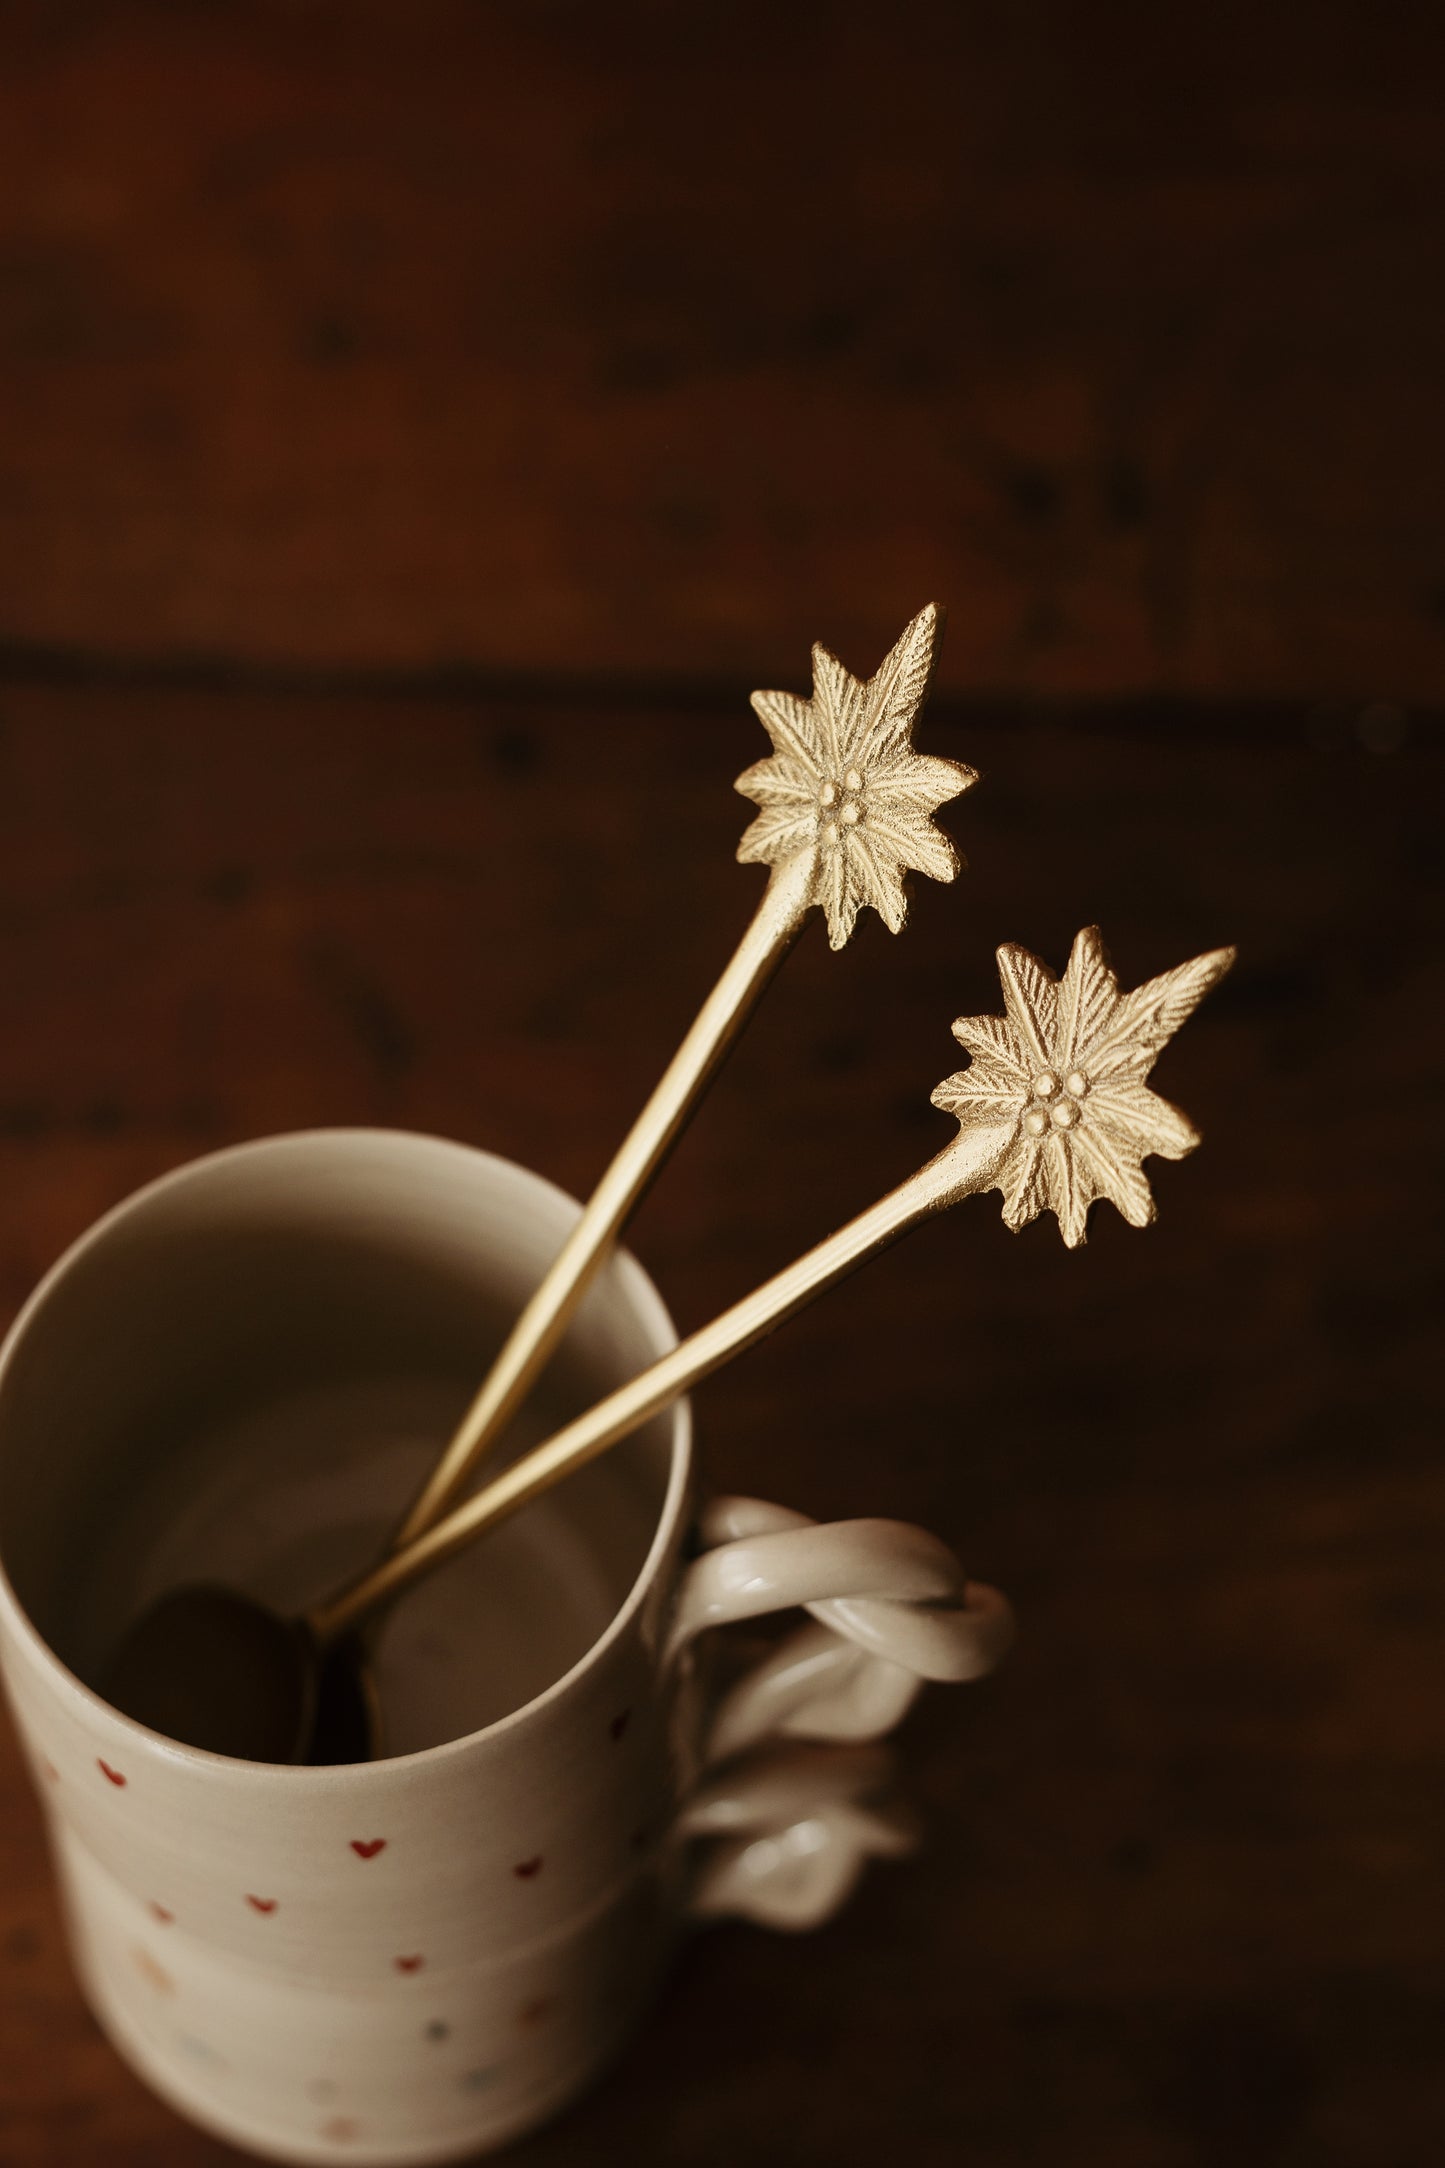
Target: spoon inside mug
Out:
[835,838]
[217,1669]
[846,811]
[1001,1142]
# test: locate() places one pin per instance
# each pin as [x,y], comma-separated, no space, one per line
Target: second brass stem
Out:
[965,1165]
[775,926]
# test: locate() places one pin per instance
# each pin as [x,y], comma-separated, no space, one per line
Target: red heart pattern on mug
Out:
[153,1974]
[343,2128]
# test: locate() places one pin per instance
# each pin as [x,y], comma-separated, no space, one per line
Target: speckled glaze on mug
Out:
[239,1375]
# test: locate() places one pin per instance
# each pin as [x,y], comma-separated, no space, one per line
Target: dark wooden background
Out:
[419,427]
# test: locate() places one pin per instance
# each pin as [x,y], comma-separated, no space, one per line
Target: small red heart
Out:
[261,1904]
[619,1724]
[159,1912]
[526,1868]
[410,1964]
[114,1774]
[51,1771]
[368,1847]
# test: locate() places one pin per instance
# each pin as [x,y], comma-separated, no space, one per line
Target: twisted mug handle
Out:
[791,1797]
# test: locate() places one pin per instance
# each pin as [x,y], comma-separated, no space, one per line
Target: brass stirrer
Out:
[1053,1110]
[845,811]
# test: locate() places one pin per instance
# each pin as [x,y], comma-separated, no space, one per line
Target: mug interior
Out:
[242,1374]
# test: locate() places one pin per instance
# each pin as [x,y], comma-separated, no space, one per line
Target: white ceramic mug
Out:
[238,1375]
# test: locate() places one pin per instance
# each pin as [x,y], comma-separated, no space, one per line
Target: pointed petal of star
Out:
[1116,1174]
[1139,1116]
[837,704]
[1031,997]
[838,898]
[789,723]
[994,1038]
[921,781]
[878,881]
[1148,1017]
[1069,1188]
[774,836]
[779,781]
[987,1090]
[894,695]
[1088,1000]
[1021,1179]
[914,843]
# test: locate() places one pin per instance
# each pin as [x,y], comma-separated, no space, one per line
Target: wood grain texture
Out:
[1181,1904]
[622,342]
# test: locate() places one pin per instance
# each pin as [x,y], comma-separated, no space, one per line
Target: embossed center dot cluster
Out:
[1059,1102]
[840,805]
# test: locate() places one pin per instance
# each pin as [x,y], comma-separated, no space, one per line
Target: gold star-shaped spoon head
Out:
[1066,1069]
[845,783]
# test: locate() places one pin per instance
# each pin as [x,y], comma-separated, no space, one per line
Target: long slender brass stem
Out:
[966,1165]
[776,925]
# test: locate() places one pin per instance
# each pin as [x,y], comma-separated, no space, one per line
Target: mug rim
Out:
[648,1306]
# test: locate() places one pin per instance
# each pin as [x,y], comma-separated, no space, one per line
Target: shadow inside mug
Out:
[243,1382]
